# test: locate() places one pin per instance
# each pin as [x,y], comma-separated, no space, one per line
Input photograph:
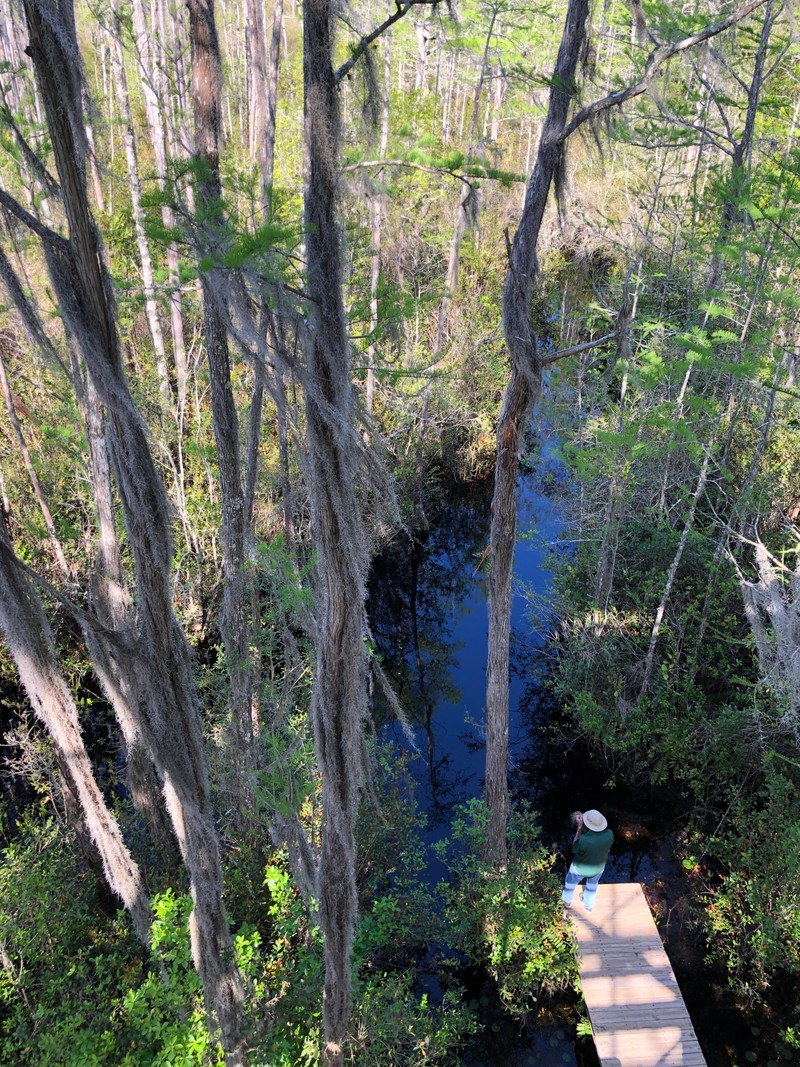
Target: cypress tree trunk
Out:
[32,646]
[268,172]
[152,81]
[521,393]
[376,198]
[168,713]
[339,695]
[258,96]
[207,99]
[135,186]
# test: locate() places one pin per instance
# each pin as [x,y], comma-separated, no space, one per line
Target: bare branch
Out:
[13,207]
[28,314]
[577,349]
[38,167]
[655,61]
[359,49]
[475,170]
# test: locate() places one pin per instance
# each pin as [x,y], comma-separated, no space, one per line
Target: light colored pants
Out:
[572,882]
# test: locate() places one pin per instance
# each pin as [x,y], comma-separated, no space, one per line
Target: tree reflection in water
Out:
[427,612]
[427,605]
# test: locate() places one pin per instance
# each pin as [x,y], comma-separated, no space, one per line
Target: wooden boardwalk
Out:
[635,1006]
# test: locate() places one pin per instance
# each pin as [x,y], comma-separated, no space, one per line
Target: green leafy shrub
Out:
[753,915]
[63,961]
[77,989]
[395,1023]
[509,921]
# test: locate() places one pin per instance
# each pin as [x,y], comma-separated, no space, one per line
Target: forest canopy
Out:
[276,279]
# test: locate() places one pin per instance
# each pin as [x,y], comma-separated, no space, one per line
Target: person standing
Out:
[590,847]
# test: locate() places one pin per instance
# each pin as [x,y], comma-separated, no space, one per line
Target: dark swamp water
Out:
[428,616]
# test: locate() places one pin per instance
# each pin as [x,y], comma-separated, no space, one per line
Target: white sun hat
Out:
[594,820]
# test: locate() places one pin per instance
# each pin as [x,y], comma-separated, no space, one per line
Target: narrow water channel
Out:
[428,615]
[429,620]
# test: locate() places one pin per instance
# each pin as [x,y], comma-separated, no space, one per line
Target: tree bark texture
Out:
[376,198]
[521,393]
[155,110]
[268,174]
[169,719]
[339,694]
[31,643]
[234,624]
[113,607]
[135,186]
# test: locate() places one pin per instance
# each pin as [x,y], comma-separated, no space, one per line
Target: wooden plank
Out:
[634,1001]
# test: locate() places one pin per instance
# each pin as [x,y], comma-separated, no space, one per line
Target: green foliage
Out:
[394,1023]
[509,921]
[400,922]
[393,1019]
[165,1012]
[753,912]
[76,989]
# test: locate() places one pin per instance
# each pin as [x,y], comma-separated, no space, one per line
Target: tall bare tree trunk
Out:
[135,186]
[376,226]
[207,96]
[339,694]
[156,111]
[268,175]
[169,719]
[276,384]
[521,393]
[258,90]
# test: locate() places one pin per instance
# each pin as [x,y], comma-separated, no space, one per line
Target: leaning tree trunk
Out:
[523,388]
[159,656]
[109,597]
[521,393]
[113,606]
[30,641]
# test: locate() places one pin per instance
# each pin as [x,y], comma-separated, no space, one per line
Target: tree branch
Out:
[27,312]
[359,49]
[657,58]
[576,349]
[120,638]
[13,207]
[403,163]
[48,181]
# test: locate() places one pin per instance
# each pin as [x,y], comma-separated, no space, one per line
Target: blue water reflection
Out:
[429,619]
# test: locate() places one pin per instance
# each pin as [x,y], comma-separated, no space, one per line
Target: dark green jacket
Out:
[590,851]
